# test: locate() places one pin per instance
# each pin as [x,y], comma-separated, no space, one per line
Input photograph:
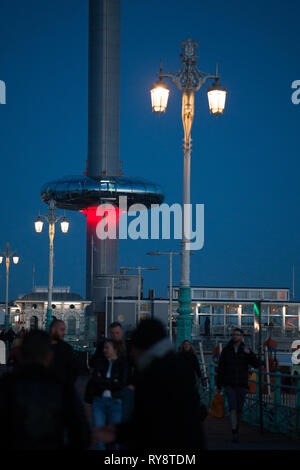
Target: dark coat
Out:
[10,335]
[64,364]
[233,366]
[123,353]
[166,412]
[192,358]
[116,383]
[37,411]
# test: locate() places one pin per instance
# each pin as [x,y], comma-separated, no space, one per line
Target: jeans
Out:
[106,411]
[236,397]
[128,397]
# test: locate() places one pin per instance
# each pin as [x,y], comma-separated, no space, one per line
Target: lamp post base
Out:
[184,320]
[48,319]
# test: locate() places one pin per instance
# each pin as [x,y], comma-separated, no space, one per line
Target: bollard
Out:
[277,400]
[257,399]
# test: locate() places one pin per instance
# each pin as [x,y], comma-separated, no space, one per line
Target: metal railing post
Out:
[298,405]
[277,399]
[257,388]
[211,382]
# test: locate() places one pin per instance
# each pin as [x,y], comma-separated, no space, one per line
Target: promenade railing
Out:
[280,401]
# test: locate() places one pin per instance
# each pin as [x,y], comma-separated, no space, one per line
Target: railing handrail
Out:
[281,403]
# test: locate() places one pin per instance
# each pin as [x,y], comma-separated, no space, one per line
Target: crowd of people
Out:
[144,395]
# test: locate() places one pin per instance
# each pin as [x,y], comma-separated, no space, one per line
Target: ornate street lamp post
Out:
[188,79]
[170,254]
[7,254]
[52,219]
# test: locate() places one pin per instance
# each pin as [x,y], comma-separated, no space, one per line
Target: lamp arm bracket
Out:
[204,78]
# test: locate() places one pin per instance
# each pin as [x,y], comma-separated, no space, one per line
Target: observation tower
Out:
[102,183]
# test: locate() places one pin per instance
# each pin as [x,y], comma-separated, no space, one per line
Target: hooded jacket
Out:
[166,412]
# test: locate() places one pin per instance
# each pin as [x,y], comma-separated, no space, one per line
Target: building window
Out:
[276,311]
[225,294]
[242,294]
[202,319]
[291,323]
[275,321]
[203,309]
[248,309]
[247,320]
[212,294]
[146,307]
[254,294]
[292,310]
[282,295]
[71,326]
[218,320]
[198,294]
[144,316]
[231,321]
[72,306]
[121,318]
[269,295]
[34,323]
[218,309]
[231,310]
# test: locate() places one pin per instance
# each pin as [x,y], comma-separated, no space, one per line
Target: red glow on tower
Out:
[111,213]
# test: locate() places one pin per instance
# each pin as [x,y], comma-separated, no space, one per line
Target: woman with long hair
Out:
[105,388]
[187,350]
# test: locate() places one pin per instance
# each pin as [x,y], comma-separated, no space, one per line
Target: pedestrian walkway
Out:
[218,437]
[218,434]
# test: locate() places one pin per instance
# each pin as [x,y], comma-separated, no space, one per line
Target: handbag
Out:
[217,408]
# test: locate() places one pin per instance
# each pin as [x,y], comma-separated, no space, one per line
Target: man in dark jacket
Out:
[37,411]
[233,371]
[166,414]
[10,336]
[64,364]
[116,333]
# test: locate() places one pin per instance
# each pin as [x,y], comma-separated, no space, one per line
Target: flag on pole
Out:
[270,344]
[216,353]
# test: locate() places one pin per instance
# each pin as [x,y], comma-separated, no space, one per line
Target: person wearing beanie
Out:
[166,413]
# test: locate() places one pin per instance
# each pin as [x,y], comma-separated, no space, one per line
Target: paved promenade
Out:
[218,433]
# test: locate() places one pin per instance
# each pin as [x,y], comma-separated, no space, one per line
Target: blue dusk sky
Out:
[245,164]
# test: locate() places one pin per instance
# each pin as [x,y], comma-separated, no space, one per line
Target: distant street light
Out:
[170,253]
[7,254]
[138,269]
[52,219]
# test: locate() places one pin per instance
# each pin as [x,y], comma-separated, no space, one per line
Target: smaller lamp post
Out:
[7,254]
[52,219]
